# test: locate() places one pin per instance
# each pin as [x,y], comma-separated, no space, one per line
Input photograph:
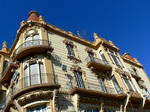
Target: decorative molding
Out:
[74,59]
[31,31]
[69,42]
[35,96]
[89,50]
[76,68]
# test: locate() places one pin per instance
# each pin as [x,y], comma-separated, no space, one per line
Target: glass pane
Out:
[26,78]
[118,89]
[42,74]
[91,56]
[70,50]
[79,79]
[103,85]
[34,74]
[38,109]
[128,84]
[36,40]
[28,42]
[104,58]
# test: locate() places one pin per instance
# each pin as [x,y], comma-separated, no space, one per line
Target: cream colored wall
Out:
[61,51]
[142,74]
[118,78]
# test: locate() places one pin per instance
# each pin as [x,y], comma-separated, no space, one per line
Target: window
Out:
[107,111]
[103,57]
[38,109]
[114,58]
[78,76]
[91,56]
[127,83]
[118,89]
[91,110]
[32,40]
[103,84]
[34,74]
[70,50]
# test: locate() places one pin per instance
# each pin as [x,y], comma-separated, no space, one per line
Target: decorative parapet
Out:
[126,57]
[35,96]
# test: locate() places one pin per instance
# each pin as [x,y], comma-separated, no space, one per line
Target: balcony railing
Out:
[67,86]
[38,43]
[98,64]
[33,81]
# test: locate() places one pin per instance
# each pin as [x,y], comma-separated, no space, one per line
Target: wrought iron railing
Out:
[40,78]
[97,60]
[67,86]
[37,42]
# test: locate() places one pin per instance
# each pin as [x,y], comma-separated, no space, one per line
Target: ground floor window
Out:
[91,110]
[41,108]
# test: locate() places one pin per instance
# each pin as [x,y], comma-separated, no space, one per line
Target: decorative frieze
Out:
[35,96]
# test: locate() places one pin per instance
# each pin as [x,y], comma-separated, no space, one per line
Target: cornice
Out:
[67,34]
[132,62]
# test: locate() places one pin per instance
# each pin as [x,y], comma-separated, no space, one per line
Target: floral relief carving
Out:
[34,97]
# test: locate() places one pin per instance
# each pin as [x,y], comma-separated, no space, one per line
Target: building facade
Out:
[48,69]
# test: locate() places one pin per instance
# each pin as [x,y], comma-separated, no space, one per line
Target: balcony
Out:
[134,74]
[32,47]
[7,73]
[90,89]
[98,64]
[33,82]
[134,96]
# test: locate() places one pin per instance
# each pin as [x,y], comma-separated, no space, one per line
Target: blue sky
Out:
[125,22]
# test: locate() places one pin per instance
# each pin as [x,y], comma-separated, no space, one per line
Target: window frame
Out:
[28,76]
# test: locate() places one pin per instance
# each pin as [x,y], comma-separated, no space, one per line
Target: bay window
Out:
[32,40]
[34,74]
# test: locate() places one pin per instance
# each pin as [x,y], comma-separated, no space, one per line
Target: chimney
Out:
[33,16]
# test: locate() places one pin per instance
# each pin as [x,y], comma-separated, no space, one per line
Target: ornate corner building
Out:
[48,69]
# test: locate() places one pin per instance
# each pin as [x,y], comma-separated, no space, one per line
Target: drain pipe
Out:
[126,102]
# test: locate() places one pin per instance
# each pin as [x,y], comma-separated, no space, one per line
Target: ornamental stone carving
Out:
[76,68]
[89,50]
[66,41]
[35,96]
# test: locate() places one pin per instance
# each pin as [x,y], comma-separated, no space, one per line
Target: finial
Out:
[5,45]
[95,35]
[41,18]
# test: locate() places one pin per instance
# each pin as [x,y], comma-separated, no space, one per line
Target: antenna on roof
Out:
[83,34]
